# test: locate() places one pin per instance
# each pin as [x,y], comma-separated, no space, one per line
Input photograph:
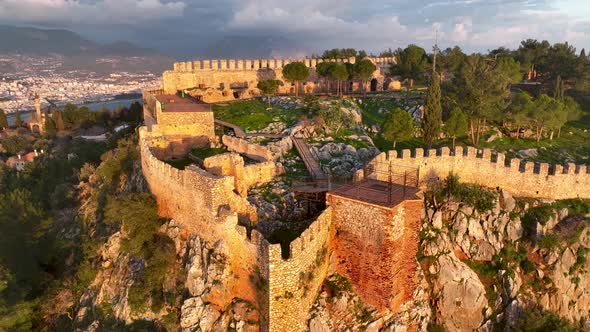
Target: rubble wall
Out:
[492,170]
[375,249]
[294,283]
[245,176]
[251,150]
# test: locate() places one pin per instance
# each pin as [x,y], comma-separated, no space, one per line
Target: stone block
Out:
[558,169]
[419,152]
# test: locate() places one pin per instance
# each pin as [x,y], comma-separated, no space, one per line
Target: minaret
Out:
[38,108]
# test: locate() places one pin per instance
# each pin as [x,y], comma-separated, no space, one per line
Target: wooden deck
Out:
[311,162]
[376,192]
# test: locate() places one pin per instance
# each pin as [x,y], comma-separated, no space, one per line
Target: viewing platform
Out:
[175,103]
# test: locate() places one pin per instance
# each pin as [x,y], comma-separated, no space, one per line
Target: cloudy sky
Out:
[191,28]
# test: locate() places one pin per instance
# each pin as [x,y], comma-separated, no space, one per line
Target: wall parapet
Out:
[256,64]
[294,282]
[494,169]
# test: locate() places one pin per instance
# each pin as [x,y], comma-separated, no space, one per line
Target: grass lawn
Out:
[207,152]
[179,163]
[370,110]
[253,114]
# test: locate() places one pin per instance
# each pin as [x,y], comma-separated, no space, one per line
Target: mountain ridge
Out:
[36,41]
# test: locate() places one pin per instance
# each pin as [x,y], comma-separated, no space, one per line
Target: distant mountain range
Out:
[63,42]
[79,52]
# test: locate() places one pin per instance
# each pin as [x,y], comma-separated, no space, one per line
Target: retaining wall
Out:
[493,170]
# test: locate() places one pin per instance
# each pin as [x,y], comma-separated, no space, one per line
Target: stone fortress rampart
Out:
[494,170]
[373,246]
[207,205]
[226,80]
[255,64]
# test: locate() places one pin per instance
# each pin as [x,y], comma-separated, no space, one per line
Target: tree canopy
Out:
[364,70]
[296,72]
[412,63]
[269,88]
[456,125]
[479,87]
[339,73]
[399,126]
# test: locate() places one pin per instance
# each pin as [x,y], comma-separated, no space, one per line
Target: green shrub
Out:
[480,198]
[137,214]
[549,241]
[337,284]
[580,260]
[537,320]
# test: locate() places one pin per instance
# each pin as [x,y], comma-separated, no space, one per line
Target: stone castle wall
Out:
[207,204]
[492,170]
[174,134]
[295,282]
[375,249]
[213,80]
[251,150]
[245,176]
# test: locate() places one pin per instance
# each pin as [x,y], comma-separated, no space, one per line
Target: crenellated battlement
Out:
[493,169]
[256,64]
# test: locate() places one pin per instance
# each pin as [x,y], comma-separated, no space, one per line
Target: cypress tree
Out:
[3,120]
[559,91]
[583,54]
[18,122]
[60,122]
[432,121]
[50,127]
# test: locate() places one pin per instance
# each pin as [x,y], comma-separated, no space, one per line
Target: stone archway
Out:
[35,128]
[374,83]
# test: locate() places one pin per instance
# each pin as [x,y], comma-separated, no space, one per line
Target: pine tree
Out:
[432,121]
[399,126]
[3,120]
[456,125]
[583,54]
[18,122]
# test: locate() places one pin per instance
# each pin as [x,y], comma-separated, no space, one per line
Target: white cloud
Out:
[461,30]
[98,12]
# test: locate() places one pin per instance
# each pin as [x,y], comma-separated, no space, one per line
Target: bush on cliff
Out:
[480,198]
[137,214]
[537,320]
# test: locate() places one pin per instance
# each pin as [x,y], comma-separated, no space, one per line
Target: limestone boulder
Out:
[460,295]
[514,229]
[507,202]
